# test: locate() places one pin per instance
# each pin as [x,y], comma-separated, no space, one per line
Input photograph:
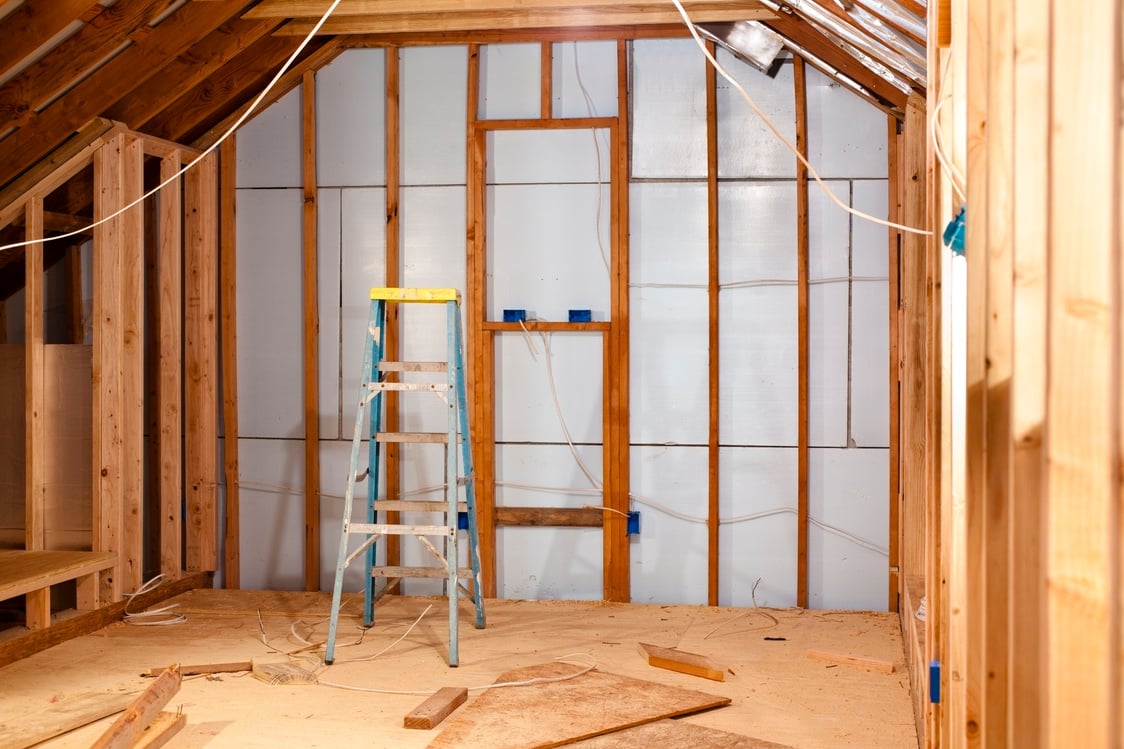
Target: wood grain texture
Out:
[713,291]
[161,730]
[802,249]
[430,713]
[24,571]
[131,555]
[35,433]
[228,304]
[69,713]
[392,345]
[310,334]
[127,729]
[574,517]
[682,662]
[556,713]
[674,733]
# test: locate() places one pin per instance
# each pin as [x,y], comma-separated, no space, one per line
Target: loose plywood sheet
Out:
[675,733]
[668,109]
[592,65]
[270,393]
[746,146]
[558,713]
[509,81]
[434,94]
[351,120]
[269,146]
[676,478]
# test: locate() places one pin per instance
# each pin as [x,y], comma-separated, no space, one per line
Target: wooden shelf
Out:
[548,326]
[27,571]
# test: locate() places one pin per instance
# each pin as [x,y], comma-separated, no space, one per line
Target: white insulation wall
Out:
[548,221]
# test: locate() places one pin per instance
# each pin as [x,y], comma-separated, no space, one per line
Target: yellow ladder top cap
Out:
[415,295]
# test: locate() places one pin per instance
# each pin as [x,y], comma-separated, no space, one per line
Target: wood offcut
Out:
[677,660]
[435,709]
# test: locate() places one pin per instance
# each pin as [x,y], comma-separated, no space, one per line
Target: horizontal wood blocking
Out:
[576,517]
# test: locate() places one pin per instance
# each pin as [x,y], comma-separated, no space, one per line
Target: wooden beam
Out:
[803,34]
[92,43]
[23,646]
[170,381]
[523,18]
[569,517]
[239,80]
[393,270]
[38,602]
[25,29]
[112,81]
[546,80]
[616,585]
[310,335]
[228,305]
[350,8]
[802,243]
[108,359]
[480,341]
[507,36]
[1083,389]
[713,292]
[131,237]
[228,667]
[188,71]
[1030,183]
[200,391]
[439,706]
[893,191]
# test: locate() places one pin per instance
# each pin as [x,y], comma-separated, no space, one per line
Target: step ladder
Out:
[460,516]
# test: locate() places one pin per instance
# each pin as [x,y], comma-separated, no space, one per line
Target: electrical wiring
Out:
[597,151]
[956,177]
[769,123]
[190,165]
[160,617]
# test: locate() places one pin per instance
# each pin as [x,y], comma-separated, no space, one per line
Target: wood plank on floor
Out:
[674,733]
[561,712]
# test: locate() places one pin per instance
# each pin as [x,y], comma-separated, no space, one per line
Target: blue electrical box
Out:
[580,315]
[462,521]
[633,522]
[514,315]
[935,682]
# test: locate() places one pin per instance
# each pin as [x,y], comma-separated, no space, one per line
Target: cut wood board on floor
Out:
[29,729]
[561,712]
[674,733]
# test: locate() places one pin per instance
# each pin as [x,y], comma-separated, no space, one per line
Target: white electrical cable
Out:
[769,123]
[597,150]
[587,667]
[160,617]
[245,115]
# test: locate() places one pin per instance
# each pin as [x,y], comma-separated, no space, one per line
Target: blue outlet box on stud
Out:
[935,682]
[580,315]
[462,521]
[514,315]
[633,526]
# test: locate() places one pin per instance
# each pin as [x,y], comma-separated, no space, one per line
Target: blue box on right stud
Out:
[580,315]
[514,315]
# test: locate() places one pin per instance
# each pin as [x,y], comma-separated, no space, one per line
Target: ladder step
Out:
[413,366]
[432,573]
[394,505]
[411,437]
[398,529]
[433,387]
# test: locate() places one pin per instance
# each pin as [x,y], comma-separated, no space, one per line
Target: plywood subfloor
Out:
[777,693]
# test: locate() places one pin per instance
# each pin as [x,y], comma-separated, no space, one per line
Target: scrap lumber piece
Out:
[205,668]
[874,664]
[127,729]
[683,662]
[161,730]
[435,709]
[555,713]
[65,715]
[675,733]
